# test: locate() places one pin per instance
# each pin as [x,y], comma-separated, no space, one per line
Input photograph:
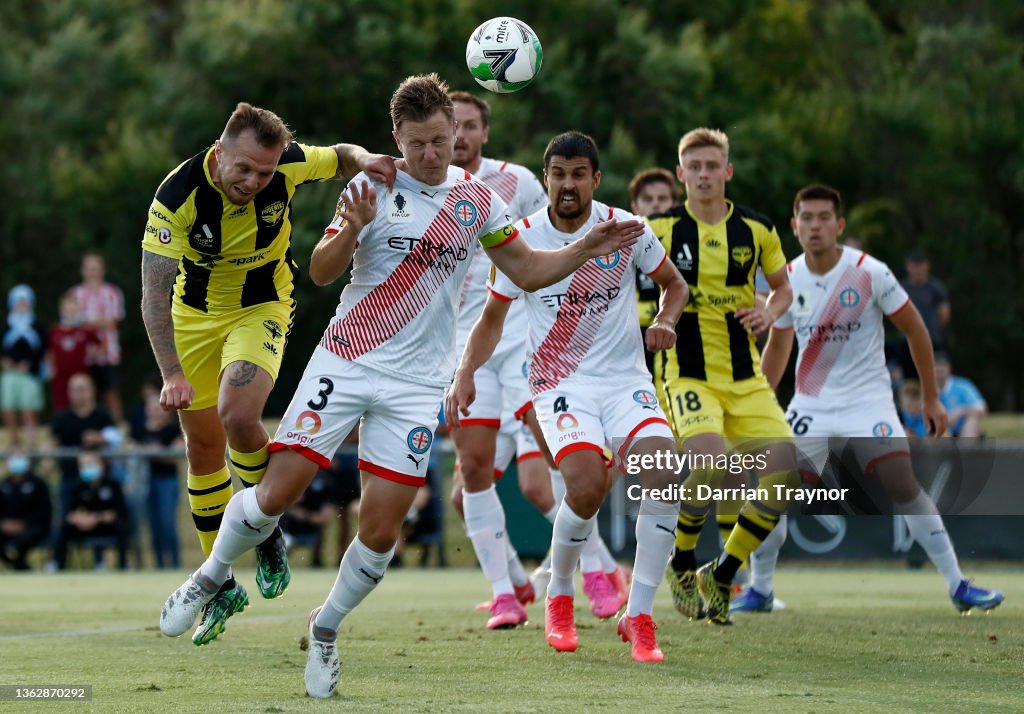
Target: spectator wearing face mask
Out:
[24,511]
[21,390]
[98,515]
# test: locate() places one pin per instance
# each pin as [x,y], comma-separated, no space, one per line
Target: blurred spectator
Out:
[98,515]
[963,400]
[304,523]
[102,306]
[81,425]
[158,428]
[25,511]
[68,346]
[912,408]
[424,523]
[24,345]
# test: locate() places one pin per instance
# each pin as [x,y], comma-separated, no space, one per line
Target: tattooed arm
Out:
[352,159]
[158,274]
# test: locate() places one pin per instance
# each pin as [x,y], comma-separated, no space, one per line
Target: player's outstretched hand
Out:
[755,320]
[358,204]
[609,236]
[177,393]
[460,395]
[935,417]
[379,167]
[660,337]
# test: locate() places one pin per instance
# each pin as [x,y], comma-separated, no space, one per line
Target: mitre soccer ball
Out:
[504,55]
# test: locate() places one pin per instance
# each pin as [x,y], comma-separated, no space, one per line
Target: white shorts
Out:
[873,431]
[575,416]
[397,418]
[500,388]
[514,439]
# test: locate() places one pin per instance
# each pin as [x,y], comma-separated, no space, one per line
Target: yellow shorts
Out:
[738,410]
[207,344]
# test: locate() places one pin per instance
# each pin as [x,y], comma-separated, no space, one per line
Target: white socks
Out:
[516,572]
[360,572]
[569,536]
[764,559]
[485,524]
[655,536]
[929,530]
[244,527]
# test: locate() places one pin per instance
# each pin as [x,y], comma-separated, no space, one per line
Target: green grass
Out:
[850,640]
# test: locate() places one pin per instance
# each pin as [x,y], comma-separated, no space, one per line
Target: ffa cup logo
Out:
[400,210]
[849,297]
[566,421]
[801,305]
[419,439]
[607,261]
[465,212]
[742,254]
[308,422]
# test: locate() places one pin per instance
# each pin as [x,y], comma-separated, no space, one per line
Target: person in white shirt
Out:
[843,389]
[386,356]
[589,382]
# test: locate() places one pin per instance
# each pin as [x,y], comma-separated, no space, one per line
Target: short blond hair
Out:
[701,137]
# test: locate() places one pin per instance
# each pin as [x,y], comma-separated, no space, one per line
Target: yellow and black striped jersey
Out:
[718,263]
[231,256]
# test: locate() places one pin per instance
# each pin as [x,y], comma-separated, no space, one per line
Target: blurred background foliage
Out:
[913,109]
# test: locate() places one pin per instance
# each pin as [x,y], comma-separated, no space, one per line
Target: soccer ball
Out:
[504,55]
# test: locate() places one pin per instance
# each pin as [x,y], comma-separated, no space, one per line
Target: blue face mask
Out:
[90,473]
[17,465]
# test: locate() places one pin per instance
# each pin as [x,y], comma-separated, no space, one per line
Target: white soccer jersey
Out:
[586,325]
[838,322]
[397,314]
[520,189]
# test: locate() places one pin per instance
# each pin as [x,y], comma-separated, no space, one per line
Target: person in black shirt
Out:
[98,511]
[80,426]
[24,511]
[304,522]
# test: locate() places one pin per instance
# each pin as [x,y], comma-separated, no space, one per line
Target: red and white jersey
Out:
[520,189]
[585,326]
[102,302]
[397,314]
[839,330]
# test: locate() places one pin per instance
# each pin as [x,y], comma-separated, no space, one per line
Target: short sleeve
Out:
[785,321]
[497,229]
[889,294]
[501,287]
[649,251]
[304,164]
[772,257]
[166,232]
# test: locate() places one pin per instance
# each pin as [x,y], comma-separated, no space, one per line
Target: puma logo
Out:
[375,580]
[667,530]
[414,460]
[250,526]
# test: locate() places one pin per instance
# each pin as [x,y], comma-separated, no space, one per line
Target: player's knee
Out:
[378,537]
[277,495]
[586,499]
[204,451]
[477,471]
[239,422]
[536,494]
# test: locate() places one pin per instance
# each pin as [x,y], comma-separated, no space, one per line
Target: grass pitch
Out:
[849,640]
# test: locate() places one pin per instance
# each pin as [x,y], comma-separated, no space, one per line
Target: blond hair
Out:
[701,137]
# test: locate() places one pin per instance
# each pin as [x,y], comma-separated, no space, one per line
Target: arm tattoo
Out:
[243,374]
[158,273]
[347,165]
